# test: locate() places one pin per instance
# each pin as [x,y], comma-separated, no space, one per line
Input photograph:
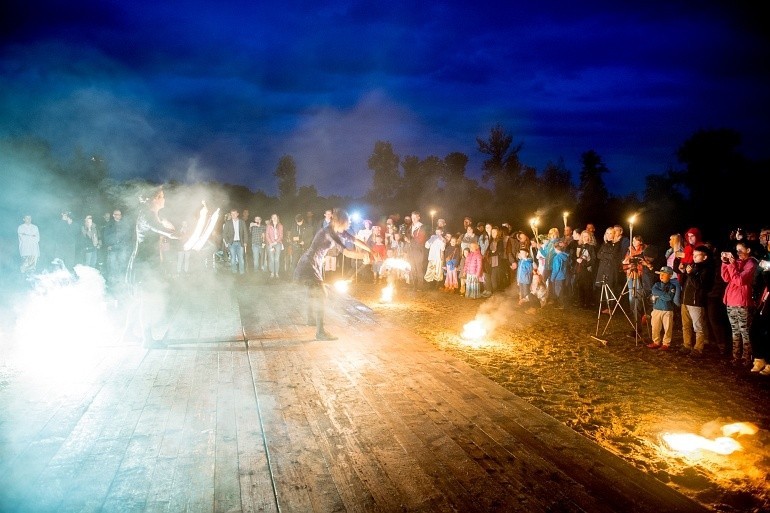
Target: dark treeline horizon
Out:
[716,189]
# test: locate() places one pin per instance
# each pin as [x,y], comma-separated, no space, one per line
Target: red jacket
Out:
[739,277]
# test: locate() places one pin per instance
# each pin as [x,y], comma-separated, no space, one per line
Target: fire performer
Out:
[144,273]
[309,270]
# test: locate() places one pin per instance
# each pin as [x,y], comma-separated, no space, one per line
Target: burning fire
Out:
[690,442]
[387,294]
[201,235]
[474,330]
[397,264]
[342,286]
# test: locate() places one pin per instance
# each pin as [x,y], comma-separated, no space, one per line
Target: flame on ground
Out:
[725,445]
[739,428]
[387,294]
[342,286]
[474,330]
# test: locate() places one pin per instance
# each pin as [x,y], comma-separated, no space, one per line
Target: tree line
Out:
[715,187]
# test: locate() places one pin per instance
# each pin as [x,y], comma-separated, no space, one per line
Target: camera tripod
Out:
[610,302]
[635,297]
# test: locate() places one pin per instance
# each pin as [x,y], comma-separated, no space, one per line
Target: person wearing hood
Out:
[692,239]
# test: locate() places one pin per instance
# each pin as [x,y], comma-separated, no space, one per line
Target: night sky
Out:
[221,90]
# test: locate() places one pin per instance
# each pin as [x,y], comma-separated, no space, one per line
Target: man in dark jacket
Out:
[697,277]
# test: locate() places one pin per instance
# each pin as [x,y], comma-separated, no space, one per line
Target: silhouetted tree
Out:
[502,165]
[286,173]
[593,196]
[711,157]
[386,180]
[557,188]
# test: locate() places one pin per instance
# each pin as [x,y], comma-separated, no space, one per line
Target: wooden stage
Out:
[245,412]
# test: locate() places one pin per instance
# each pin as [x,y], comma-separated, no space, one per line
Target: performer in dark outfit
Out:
[145,274]
[309,270]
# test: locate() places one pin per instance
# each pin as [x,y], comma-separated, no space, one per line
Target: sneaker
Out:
[765,371]
[654,345]
[684,350]
[324,335]
[665,347]
[759,364]
[696,354]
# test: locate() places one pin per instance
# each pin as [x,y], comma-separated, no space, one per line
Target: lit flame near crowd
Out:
[342,286]
[387,294]
[201,235]
[474,330]
[690,443]
[395,264]
[61,323]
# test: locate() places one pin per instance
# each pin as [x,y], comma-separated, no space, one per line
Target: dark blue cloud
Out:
[221,91]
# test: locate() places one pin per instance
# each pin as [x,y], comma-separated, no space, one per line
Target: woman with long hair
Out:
[309,270]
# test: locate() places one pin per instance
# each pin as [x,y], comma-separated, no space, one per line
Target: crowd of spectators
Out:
[714,291]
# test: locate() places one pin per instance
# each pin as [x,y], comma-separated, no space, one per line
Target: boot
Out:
[759,364]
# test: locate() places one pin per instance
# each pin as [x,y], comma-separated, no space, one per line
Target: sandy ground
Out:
[621,395]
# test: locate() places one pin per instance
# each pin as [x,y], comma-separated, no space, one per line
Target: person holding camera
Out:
[739,273]
[635,265]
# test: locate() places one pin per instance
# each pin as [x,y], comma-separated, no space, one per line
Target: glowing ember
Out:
[342,286]
[474,330]
[387,294]
[689,443]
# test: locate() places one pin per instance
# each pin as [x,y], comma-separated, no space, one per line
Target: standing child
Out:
[665,298]
[559,272]
[435,246]
[539,288]
[524,275]
[474,270]
[461,269]
[452,259]
[379,254]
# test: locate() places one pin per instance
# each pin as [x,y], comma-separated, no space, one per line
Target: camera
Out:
[726,255]
[764,265]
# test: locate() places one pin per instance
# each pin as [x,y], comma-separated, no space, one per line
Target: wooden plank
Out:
[301,479]
[227,496]
[320,395]
[397,452]
[256,487]
[610,481]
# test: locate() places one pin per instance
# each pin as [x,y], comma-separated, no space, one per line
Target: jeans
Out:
[236,257]
[258,253]
[274,258]
[117,263]
[90,258]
